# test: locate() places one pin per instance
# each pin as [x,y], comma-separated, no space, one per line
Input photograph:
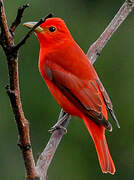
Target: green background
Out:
[76,156]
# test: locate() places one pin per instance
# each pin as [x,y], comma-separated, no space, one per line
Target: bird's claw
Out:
[58,127]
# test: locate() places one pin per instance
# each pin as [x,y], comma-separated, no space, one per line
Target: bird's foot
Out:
[56,127]
[59,124]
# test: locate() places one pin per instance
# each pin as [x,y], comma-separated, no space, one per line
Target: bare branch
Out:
[23,41]
[13,91]
[49,151]
[4,26]
[7,42]
[93,53]
[96,48]
[17,21]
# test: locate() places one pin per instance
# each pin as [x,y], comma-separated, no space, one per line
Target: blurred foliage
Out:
[76,156]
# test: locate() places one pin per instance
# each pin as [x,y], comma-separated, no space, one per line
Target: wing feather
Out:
[107,101]
[82,93]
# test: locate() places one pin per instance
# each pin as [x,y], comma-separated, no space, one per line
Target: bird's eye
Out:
[52,28]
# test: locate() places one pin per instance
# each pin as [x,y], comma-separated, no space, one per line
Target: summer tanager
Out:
[74,83]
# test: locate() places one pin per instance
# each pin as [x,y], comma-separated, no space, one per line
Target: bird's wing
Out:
[84,94]
[107,101]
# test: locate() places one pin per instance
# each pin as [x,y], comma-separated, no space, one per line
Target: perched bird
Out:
[74,83]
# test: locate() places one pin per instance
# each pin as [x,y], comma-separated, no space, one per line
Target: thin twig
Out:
[23,41]
[93,53]
[17,21]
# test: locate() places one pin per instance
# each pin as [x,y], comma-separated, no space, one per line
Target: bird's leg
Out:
[59,124]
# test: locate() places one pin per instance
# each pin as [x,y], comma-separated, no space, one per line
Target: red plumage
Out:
[75,85]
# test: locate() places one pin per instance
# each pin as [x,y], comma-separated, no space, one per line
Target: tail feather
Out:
[97,133]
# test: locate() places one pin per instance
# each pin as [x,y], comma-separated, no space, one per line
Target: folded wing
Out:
[84,94]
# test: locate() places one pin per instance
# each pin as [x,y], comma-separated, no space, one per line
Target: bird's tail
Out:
[97,133]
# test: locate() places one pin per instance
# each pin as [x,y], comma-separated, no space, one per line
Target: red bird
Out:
[74,83]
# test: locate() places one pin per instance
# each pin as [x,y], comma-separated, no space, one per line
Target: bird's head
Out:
[52,32]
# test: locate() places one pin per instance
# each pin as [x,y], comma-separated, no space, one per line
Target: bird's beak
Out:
[31,24]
